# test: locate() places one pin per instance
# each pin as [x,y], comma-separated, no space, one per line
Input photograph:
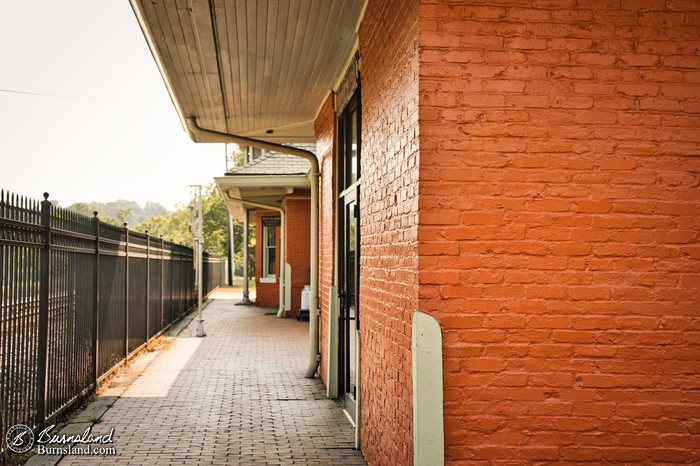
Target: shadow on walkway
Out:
[236,396]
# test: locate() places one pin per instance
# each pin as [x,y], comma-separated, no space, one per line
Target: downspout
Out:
[314,356]
[246,258]
[283,242]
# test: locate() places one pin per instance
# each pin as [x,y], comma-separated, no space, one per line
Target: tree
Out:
[123,215]
[151,209]
[176,226]
[215,221]
[173,227]
[235,156]
[120,211]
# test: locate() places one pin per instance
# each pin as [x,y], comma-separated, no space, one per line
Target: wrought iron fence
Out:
[77,297]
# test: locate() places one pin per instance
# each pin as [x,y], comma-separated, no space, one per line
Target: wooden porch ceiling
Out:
[256,68]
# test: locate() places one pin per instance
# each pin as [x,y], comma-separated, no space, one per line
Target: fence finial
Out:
[46,196]
[94,213]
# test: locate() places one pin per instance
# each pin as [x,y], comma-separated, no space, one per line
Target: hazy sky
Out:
[84,113]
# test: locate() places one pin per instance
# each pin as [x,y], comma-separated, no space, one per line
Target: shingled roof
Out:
[273,163]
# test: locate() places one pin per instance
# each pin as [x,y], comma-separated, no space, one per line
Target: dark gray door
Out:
[349,250]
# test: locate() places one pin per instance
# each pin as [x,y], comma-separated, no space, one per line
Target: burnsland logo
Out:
[45,436]
[20,439]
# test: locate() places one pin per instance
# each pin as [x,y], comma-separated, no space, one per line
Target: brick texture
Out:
[324,129]
[266,294]
[296,253]
[298,244]
[558,227]
[388,222]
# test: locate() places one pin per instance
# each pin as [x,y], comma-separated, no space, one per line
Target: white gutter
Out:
[283,242]
[314,356]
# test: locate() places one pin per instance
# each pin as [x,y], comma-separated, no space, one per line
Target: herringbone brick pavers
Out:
[236,396]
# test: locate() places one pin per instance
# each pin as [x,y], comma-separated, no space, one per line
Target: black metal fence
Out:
[77,297]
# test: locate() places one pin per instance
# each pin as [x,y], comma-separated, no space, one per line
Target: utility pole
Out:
[246,297]
[196,227]
[231,252]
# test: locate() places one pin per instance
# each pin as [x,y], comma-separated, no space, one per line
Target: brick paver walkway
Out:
[237,396]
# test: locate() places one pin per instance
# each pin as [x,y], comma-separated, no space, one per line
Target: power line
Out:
[40,94]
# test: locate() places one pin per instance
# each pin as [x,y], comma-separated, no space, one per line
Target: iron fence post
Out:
[148,285]
[184,298]
[189,283]
[162,281]
[96,301]
[44,290]
[172,280]
[126,294]
[183,280]
[178,293]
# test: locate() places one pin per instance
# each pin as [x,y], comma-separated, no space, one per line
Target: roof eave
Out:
[148,36]
[260,189]
[200,82]
[254,181]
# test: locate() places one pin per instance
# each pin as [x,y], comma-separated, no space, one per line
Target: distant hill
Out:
[120,211]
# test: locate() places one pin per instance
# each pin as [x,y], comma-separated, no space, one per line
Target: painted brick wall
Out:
[324,129]
[388,222]
[559,227]
[298,244]
[266,294]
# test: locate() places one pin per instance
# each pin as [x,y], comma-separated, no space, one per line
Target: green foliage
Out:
[216,234]
[235,156]
[119,212]
[175,226]
[215,225]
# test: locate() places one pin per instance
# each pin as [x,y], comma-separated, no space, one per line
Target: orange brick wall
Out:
[325,150]
[266,294]
[388,224]
[559,224]
[298,244]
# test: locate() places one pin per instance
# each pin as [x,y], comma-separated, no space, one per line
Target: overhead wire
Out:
[42,94]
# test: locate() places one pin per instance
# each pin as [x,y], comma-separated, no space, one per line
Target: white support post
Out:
[197,228]
[232,251]
[246,297]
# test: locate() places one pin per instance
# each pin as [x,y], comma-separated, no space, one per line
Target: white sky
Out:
[118,136]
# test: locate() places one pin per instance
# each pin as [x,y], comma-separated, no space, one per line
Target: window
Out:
[269,247]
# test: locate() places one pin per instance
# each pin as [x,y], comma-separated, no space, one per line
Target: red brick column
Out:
[388,225]
[298,246]
[266,294]
[324,128]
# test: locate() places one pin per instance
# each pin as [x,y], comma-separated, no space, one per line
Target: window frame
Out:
[267,275]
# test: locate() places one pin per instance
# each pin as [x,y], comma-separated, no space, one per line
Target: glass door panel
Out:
[349,314]
[349,153]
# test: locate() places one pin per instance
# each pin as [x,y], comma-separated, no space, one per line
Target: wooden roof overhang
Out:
[255,68]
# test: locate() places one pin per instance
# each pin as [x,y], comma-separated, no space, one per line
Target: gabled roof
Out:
[266,180]
[272,163]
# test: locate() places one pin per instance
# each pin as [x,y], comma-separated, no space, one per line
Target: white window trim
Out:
[269,277]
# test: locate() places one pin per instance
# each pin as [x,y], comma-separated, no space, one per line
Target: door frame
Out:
[347,194]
